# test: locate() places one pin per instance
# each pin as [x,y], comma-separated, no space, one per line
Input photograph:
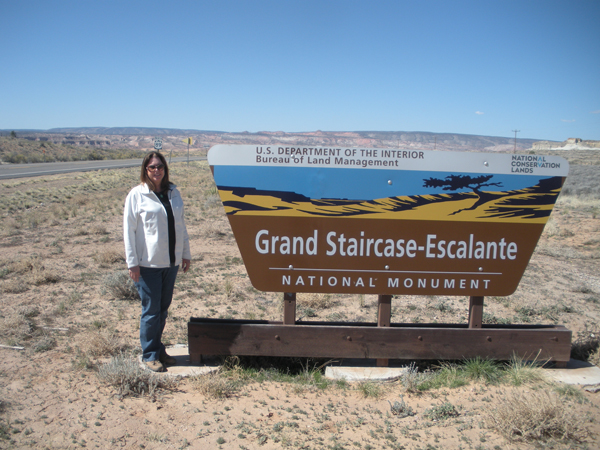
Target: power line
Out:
[516,131]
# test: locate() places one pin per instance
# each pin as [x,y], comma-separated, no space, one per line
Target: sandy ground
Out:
[61,239]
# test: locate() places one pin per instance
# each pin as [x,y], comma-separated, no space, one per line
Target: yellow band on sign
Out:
[188,141]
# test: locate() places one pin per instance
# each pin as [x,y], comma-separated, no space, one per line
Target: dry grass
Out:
[19,151]
[537,416]
[17,328]
[215,385]
[26,265]
[26,272]
[108,257]
[126,375]
[316,301]
[100,343]
[214,229]
[14,286]
[20,328]
[120,286]
[521,372]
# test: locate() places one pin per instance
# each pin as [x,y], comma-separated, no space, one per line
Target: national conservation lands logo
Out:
[385,221]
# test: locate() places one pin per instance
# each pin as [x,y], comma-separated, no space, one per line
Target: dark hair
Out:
[144,173]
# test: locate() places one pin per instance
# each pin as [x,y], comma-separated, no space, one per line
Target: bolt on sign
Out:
[385,221]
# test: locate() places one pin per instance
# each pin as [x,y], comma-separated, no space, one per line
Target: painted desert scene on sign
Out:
[532,204]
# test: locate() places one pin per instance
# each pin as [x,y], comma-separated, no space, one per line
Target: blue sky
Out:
[473,67]
[336,183]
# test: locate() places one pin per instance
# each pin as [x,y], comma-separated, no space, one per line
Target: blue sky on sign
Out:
[473,67]
[340,183]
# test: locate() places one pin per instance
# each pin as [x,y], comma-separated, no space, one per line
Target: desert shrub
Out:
[370,389]
[10,227]
[232,291]
[4,430]
[28,311]
[81,232]
[131,379]
[45,343]
[39,277]
[80,199]
[103,342]
[106,257]
[16,328]
[119,285]
[19,328]
[217,384]
[586,346]
[33,272]
[58,212]
[412,378]
[317,301]
[213,229]
[26,265]
[401,409]
[441,412]
[98,229]
[15,286]
[536,416]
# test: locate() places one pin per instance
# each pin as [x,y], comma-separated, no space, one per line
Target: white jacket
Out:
[146,232]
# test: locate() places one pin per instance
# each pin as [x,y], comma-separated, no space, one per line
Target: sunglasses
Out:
[157,167]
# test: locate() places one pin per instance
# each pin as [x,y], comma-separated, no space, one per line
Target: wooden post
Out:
[475,312]
[384,319]
[289,308]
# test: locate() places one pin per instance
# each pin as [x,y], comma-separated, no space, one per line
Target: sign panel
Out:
[385,221]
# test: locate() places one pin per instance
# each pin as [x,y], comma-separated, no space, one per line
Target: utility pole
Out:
[516,131]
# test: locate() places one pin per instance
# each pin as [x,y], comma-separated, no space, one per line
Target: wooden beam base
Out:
[367,340]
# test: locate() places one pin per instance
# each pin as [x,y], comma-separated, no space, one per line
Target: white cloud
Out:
[567,120]
[595,112]
[479,113]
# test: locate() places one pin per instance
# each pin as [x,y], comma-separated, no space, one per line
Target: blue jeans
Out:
[156,291]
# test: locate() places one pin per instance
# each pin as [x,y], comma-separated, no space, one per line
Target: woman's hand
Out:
[185,265]
[134,273]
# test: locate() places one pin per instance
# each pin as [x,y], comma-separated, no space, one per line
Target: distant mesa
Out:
[142,138]
[569,144]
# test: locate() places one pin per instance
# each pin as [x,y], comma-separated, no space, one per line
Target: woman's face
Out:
[155,171]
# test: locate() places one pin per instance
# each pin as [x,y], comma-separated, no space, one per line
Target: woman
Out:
[156,243]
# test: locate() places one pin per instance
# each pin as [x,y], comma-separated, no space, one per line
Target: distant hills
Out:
[173,139]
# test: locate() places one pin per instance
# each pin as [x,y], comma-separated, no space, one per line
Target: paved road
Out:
[34,170]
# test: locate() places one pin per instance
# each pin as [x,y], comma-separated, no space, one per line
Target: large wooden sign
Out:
[385,221]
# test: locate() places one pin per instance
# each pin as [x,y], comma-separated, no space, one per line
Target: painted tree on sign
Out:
[458,182]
